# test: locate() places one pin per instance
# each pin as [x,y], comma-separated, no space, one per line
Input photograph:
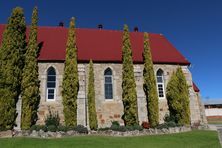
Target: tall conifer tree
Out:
[30,82]
[11,64]
[91,99]
[70,84]
[129,96]
[178,98]
[150,84]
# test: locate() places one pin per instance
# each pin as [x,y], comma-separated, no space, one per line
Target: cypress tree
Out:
[178,98]
[12,58]
[91,99]
[70,84]
[30,82]
[129,96]
[149,85]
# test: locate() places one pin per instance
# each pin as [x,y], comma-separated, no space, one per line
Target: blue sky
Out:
[194,27]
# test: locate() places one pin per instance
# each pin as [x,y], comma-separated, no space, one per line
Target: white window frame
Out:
[106,99]
[160,83]
[49,100]
[47,88]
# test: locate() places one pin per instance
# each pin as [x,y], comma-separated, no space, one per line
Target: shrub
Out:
[36,127]
[177,93]
[145,125]
[81,129]
[33,127]
[169,118]
[52,119]
[104,129]
[52,128]
[115,126]
[62,128]
[137,127]
[44,128]
[115,123]
[167,125]
[134,127]
[121,129]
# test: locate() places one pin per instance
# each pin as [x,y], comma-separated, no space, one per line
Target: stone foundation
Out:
[144,132]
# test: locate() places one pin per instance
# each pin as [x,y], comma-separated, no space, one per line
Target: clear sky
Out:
[194,27]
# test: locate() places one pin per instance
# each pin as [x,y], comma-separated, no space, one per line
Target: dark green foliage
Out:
[62,128]
[81,129]
[129,96]
[91,99]
[116,127]
[70,84]
[134,127]
[166,125]
[169,118]
[38,127]
[11,64]
[52,128]
[115,123]
[52,119]
[30,82]
[149,85]
[178,98]
[104,129]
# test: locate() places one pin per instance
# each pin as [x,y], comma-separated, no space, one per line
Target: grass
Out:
[193,139]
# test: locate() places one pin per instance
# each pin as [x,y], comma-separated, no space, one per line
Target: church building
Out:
[104,47]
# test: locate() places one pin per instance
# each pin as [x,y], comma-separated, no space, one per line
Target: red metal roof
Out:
[103,46]
[196,89]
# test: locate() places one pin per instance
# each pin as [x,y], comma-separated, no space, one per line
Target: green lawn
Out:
[194,139]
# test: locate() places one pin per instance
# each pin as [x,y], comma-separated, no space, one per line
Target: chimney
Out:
[61,24]
[136,29]
[100,26]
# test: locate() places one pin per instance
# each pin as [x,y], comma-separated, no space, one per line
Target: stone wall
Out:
[60,134]
[109,110]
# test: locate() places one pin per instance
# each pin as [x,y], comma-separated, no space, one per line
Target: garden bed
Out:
[59,134]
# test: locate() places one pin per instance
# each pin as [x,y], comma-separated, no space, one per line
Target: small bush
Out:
[44,128]
[52,128]
[122,129]
[137,127]
[52,119]
[134,127]
[168,118]
[38,128]
[115,123]
[114,127]
[104,129]
[3,129]
[118,128]
[145,125]
[81,129]
[62,128]
[33,127]
[167,125]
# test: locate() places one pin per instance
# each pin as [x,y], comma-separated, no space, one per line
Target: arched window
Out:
[51,84]
[160,83]
[108,84]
